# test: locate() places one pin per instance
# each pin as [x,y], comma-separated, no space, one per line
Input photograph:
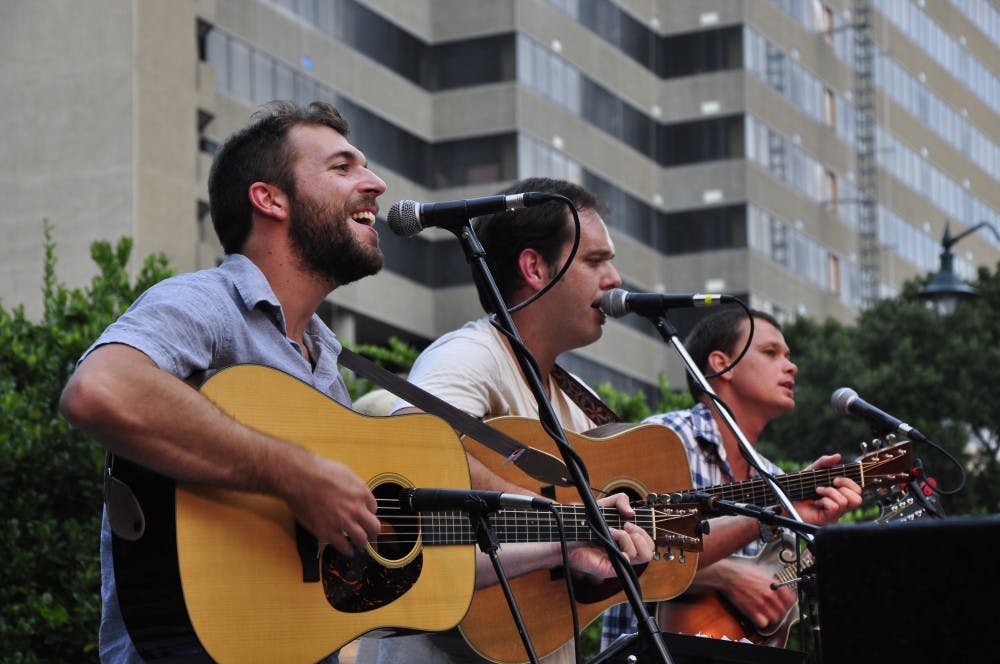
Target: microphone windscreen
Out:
[613,303]
[841,399]
[404,219]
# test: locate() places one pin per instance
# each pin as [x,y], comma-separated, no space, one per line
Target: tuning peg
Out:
[864,447]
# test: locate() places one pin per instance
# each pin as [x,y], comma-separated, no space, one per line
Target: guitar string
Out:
[802,485]
[526,524]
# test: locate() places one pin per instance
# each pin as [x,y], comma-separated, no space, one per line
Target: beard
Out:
[325,245]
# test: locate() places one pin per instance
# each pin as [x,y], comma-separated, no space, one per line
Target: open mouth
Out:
[366,218]
[597,305]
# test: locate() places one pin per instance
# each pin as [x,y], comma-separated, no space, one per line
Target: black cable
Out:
[746,346]
[569,581]
[933,485]
[569,259]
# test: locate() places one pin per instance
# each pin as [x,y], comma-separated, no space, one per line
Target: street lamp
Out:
[945,289]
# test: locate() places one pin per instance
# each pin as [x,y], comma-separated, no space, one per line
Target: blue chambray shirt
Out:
[192,325]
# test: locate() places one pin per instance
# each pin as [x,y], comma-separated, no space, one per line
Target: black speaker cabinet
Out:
[920,591]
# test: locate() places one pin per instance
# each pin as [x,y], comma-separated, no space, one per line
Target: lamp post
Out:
[945,289]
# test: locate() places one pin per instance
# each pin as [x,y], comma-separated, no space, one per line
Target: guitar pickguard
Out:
[358,583]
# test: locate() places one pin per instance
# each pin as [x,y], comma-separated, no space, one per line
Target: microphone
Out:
[847,402]
[407,218]
[617,302]
[466,500]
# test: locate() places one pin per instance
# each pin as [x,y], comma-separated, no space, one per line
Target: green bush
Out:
[51,484]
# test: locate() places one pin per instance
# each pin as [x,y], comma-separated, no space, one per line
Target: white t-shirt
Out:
[473,369]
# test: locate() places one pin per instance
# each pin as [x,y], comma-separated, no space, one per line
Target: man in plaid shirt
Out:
[758,389]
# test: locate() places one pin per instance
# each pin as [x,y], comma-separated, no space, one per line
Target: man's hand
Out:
[336,506]
[748,586]
[833,501]
[634,542]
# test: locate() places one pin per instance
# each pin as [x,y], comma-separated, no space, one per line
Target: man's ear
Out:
[534,269]
[269,200]
[717,361]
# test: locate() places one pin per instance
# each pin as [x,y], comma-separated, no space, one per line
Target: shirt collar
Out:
[703,426]
[250,282]
[256,293]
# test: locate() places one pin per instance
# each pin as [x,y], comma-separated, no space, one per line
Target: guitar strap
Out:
[540,465]
[598,411]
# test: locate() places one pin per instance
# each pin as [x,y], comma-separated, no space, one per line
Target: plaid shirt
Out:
[709,467]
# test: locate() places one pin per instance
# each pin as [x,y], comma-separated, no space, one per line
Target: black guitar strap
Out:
[540,465]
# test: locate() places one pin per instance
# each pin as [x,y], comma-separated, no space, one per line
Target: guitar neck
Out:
[512,525]
[797,486]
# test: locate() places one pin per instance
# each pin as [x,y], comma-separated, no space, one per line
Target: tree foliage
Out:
[51,484]
[935,373]
[635,407]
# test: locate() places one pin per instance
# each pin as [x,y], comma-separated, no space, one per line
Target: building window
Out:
[833,273]
[829,108]
[830,190]
[826,23]
[707,229]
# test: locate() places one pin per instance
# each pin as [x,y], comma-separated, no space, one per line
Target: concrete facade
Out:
[112,108]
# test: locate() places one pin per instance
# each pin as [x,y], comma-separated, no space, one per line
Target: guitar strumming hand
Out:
[586,559]
[747,586]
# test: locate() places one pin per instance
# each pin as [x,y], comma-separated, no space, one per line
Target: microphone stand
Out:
[486,537]
[770,517]
[475,255]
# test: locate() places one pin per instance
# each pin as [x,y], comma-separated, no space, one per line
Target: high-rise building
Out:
[805,155]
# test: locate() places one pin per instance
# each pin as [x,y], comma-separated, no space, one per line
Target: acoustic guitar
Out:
[230,576]
[710,614]
[636,459]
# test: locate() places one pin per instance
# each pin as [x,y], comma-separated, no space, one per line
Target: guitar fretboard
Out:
[884,467]
[513,525]
[673,526]
[797,486]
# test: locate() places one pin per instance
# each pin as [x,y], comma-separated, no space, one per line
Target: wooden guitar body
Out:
[636,459]
[228,575]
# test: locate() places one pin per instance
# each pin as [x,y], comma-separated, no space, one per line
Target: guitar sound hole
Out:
[363,582]
[400,530]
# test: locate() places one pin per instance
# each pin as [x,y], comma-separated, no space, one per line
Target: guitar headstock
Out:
[886,465]
[675,526]
[906,502]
